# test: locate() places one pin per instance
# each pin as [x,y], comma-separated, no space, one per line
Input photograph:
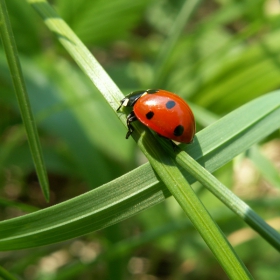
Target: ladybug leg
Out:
[174,146]
[130,118]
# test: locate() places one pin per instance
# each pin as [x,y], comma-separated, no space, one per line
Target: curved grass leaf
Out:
[265,166]
[117,200]
[173,178]
[165,166]
[127,246]
[252,123]
[23,101]
[186,12]
[79,53]
[4,274]
[96,21]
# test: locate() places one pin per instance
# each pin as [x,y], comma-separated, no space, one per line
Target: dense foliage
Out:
[224,56]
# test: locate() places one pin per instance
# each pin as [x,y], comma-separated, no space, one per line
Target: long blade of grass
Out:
[82,55]
[172,177]
[180,194]
[79,52]
[6,275]
[127,246]
[22,97]
[185,14]
[268,170]
[248,122]
[227,258]
[103,207]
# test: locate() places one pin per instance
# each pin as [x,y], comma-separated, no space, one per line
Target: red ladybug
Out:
[162,111]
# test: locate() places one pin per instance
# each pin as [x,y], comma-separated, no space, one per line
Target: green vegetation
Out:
[111,214]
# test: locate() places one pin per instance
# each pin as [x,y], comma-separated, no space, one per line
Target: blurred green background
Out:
[227,55]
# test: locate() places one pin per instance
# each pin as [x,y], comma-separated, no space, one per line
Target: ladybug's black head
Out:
[126,102]
[132,97]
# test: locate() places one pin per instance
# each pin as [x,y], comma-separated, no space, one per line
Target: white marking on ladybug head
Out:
[125,102]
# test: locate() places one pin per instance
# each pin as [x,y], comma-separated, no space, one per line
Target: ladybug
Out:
[162,111]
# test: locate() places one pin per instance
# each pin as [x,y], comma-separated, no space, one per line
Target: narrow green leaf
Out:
[166,168]
[79,52]
[115,201]
[22,97]
[5,275]
[22,206]
[265,166]
[203,116]
[185,14]
[127,246]
[251,123]
[174,180]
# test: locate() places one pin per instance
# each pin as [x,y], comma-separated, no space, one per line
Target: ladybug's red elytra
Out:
[162,111]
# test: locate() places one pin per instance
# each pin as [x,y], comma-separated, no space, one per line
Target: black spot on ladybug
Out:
[170,104]
[149,115]
[151,91]
[178,131]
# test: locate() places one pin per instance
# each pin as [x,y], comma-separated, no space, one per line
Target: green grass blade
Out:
[127,246]
[102,207]
[79,52]
[91,211]
[167,170]
[5,275]
[185,14]
[265,166]
[251,123]
[173,178]
[22,97]
[22,206]
[70,41]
